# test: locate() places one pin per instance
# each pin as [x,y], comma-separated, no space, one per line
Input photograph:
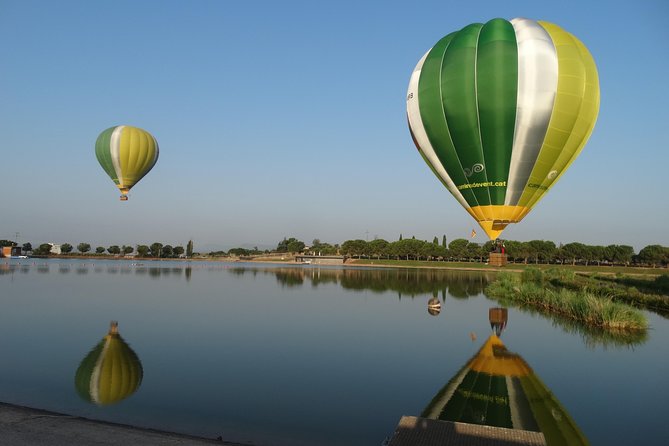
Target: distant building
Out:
[55,249]
[11,251]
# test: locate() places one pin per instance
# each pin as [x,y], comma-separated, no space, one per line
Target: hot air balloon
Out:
[499,111]
[126,153]
[111,371]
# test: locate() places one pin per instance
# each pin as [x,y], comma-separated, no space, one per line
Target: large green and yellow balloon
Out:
[126,153]
[499,111]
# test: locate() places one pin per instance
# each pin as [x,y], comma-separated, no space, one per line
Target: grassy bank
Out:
[579,269]
[534,288]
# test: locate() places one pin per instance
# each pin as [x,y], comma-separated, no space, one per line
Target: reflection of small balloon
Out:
[127,154]
[111,372]
[499,111]
[434,306]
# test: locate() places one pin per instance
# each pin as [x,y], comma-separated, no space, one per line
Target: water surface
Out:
[276,355]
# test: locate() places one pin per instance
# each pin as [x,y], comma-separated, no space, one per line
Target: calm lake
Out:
[296,355]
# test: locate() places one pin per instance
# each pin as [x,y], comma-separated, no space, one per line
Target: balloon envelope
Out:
[126,153]
[499,111]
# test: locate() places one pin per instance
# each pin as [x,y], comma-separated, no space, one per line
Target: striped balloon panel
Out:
[499,111]
[127,154]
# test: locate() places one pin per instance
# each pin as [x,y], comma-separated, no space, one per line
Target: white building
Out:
[55,249]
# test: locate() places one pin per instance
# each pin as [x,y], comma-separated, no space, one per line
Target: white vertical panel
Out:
[416,125]
[115,148]
[537,88]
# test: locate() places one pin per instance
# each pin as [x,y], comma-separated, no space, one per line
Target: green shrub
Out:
[532,275]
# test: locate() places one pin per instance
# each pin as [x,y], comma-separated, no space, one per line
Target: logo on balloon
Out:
[476,168]
[552,174]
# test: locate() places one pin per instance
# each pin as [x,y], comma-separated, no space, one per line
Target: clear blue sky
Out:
[288,119]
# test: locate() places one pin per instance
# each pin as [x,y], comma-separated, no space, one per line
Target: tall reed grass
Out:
[533,289]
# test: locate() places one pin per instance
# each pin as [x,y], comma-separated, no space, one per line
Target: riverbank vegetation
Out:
[547,291]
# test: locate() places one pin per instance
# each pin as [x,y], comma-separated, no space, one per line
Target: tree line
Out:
[533,251]
[157,250]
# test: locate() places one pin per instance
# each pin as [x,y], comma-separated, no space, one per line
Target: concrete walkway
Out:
[415,431]
[21,426]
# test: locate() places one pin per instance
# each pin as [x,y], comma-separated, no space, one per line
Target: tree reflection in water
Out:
[406,282]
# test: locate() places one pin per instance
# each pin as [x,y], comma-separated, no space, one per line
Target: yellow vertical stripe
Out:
[573,117]
[137,154]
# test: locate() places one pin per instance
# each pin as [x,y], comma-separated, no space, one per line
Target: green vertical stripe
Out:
[458,81]
[103,153]
[497,91]
[432,115]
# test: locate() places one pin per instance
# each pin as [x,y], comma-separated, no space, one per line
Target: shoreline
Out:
[372,263]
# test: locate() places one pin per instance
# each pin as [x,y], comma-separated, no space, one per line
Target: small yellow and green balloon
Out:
[111,371]
[126,154]
[499,111]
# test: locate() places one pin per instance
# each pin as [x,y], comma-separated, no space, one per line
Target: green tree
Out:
[178,251]
[142,250]
[155,249]
[475,251]
[66,248]
[355,248]
[378,247]
[322,248]
[619,254]
[114,249]
[167,251]
[7,243]
[189,249]
[27,247]
[654,255]
[443,242]
[435,240]
[574,251]
[127,249]
[44,249]
[83,247]
[400,237]
[295,245]
[100,249]
[458,248]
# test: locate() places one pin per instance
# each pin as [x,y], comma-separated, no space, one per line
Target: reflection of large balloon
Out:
[499,111]
[111,372]
[127,154]
[498,388]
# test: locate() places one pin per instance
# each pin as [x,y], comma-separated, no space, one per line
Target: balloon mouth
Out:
[124,193]
[494,228]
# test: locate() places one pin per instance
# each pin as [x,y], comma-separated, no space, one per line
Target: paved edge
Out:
[21,425]
[416,431]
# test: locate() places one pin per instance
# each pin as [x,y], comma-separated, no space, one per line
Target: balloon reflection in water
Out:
[498,388]
[498,318]
[111,372]
[434,306]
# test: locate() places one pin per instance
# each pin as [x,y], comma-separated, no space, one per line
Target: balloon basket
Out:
[497,259]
